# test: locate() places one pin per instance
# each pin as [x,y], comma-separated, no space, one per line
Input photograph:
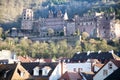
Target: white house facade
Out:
[105,71]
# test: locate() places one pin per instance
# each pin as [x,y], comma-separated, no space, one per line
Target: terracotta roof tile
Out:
[71,76]
[99,65]
[116,62]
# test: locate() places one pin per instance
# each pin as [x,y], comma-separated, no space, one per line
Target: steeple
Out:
[65,16]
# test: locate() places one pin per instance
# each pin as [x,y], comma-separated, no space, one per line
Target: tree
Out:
[1,31]
[50,31]
[85,35]
[25,45]
[10,43]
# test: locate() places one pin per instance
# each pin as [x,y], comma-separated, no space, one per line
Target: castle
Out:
[95,24]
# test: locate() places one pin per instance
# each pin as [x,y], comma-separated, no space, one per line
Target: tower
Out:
[65,16]
[27,19]
[27,14]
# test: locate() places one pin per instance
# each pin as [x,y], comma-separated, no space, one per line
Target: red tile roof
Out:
[25,59]
[116,62]
[71,76]
[99,65]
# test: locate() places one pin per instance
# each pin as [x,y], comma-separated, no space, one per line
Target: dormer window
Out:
[22,73]
[46,70]
[5,74]
[36,71]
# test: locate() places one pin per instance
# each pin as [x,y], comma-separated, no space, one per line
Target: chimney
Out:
[111,51]
[62,68]
[88,53]
[99,51]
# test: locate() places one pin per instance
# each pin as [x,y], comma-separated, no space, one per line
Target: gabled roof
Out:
[9,68]
[88,75]
[94,55]
[30,66]
[99,65]
[114,76]
[25,59]
[116,62]
[71,76]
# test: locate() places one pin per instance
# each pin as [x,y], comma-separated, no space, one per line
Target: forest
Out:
[10,16]
[62,48]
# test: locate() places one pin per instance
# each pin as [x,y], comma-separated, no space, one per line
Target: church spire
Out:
[65,16]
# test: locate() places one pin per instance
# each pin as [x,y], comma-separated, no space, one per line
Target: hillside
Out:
[11,10]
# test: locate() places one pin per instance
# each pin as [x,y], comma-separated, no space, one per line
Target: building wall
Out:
[22,75]
[101,75]
[27,25]
[83,67]
[90,23]
[27,19]
[56,74]
[103,24]
[70,29]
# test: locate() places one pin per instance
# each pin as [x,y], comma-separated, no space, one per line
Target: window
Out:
[110,66]
[80,69]
[74,69]
[105,72]
[5,74]
[22,74]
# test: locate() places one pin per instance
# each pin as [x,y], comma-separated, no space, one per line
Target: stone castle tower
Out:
[27,19]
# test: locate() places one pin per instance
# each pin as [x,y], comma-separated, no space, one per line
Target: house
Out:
[41,71]
[100,56]
[110,68]
[46,60]
[6,56]
[114,76]
[13,72]
[71,76]
[78,67]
